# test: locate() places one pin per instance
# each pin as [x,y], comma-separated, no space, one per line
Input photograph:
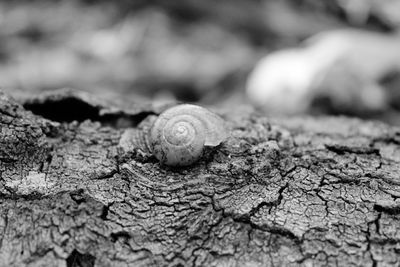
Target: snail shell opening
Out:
[179,135]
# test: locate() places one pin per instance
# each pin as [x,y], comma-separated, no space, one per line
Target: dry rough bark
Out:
[280,192]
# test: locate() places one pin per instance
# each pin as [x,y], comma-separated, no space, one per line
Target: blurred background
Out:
[205,51]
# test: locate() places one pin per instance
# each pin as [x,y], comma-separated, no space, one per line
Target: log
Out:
[299,191]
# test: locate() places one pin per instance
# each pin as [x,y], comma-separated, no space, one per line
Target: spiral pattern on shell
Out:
[179,135]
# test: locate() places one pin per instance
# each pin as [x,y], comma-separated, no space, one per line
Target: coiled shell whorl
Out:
[180,134]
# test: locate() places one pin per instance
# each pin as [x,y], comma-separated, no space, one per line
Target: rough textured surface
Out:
[280,192]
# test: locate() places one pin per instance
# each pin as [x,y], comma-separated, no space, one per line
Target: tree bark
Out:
[279,192]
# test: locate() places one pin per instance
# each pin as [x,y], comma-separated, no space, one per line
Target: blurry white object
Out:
[343,64]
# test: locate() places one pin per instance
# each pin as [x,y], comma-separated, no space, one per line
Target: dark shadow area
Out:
[77,259]
[65,110]
[120,235]
[70,109]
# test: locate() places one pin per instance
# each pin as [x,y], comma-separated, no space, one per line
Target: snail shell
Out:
[180,134]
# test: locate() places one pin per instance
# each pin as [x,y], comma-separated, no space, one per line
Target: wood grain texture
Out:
[279,192]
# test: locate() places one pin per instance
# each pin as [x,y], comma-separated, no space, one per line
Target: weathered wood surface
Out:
[280,192]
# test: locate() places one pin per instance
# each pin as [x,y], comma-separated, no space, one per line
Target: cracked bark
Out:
[279,192]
